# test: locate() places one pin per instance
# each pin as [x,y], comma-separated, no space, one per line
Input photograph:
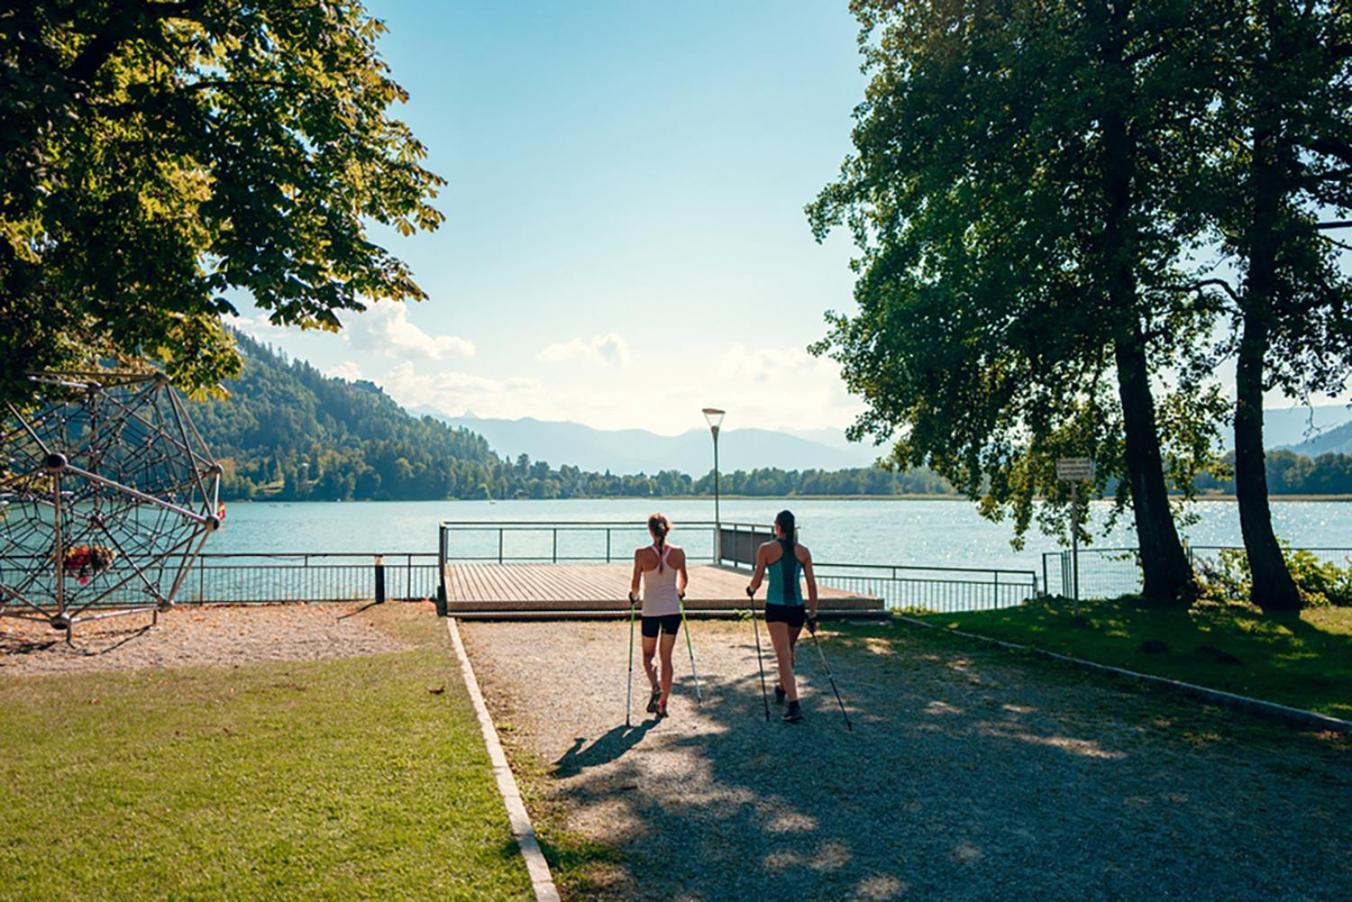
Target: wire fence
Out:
[251,578]
[561,542]
[941,589]
[246,578]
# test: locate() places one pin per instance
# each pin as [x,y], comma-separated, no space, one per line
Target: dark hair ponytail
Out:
[785,521]
[659,526]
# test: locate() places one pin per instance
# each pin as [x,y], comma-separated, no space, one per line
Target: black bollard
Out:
[380,579]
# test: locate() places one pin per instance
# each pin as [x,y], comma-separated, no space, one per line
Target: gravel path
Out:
[189,636]
[970,774]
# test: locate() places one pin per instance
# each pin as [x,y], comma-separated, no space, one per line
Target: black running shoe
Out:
[661,711]
[793,713]
[653,700]
[779,694]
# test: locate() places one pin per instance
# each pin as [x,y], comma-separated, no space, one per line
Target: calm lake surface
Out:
[896,531]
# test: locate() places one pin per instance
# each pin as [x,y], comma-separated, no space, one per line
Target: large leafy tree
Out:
[1015,189]
[1280,192]
[156,154]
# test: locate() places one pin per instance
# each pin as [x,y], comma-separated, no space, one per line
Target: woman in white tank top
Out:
[661,570]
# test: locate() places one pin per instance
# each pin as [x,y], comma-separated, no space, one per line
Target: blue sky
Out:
[625,240]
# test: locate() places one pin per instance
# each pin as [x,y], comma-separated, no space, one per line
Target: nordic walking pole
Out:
[812,629]
[690,646]
[629,693]
[765,695]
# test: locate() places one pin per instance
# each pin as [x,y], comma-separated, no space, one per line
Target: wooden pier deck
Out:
[587,591]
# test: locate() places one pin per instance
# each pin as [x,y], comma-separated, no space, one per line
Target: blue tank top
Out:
[784,585]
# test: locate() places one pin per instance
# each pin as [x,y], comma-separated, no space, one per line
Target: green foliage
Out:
[156,155]
[1321,581]
[1013,195]
[1277,181]
[1289,473]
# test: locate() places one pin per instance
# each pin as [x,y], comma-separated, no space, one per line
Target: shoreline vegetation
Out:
[919,496]
[290,433]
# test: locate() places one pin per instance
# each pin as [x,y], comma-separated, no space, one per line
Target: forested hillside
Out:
[288,432]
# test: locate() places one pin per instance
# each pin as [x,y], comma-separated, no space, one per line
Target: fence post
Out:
[607,544]
[554,553]
[997,588]
[380,579]
[500,531]
[441,572]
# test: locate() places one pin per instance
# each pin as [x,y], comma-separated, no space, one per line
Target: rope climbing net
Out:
[107,493]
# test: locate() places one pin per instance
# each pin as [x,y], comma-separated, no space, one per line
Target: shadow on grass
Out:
[1300,659]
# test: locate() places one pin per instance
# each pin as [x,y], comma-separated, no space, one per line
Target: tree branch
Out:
[1331,147]
[240,83]
[1335,224]
[1215,283]
[120,29]
[1336,243]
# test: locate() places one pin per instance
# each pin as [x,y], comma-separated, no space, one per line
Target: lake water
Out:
[893,531]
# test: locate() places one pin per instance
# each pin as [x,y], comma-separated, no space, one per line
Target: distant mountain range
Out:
[624,451]
[1335,441]
[1309,431]
[1305,430]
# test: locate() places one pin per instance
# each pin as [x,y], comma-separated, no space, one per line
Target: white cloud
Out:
[385,327]
[348,370]
[453,393]
[257,327]
[609,349]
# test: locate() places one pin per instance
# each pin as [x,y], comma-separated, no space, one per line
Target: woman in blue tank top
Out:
[785,613]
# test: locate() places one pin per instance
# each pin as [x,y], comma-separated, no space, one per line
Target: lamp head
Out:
[714,417]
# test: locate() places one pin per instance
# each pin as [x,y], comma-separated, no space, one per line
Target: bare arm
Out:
[811,578]
[682,576]
[759,573]
[638,572]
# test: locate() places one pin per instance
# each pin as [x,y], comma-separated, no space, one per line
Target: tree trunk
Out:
[1273,588]
[1167,577]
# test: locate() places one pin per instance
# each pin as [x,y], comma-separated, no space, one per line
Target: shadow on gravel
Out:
[604,750]
[968,775]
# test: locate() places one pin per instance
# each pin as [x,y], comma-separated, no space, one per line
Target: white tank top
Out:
[659,588]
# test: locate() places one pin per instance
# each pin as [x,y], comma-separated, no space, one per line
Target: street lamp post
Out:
[714,417]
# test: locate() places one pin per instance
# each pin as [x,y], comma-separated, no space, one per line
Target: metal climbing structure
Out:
[107,494]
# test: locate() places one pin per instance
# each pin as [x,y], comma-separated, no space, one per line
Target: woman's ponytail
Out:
[659,526]
[786,523]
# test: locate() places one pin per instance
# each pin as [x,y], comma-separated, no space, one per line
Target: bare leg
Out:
[668,642]
[649,647]
[783,643]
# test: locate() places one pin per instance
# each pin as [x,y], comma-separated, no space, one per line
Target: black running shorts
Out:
[792,614]
[670,624]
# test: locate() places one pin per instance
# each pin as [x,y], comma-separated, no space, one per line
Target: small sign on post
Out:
[1075,470]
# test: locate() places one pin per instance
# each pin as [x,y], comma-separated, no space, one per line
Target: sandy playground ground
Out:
[190,636]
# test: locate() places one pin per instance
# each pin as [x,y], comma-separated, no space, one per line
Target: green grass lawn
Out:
[1304,661]
[333,778]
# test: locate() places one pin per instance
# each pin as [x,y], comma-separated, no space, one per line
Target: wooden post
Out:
[380,579]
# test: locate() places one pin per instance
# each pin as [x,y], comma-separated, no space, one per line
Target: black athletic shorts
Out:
[670,624]
[792,614]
